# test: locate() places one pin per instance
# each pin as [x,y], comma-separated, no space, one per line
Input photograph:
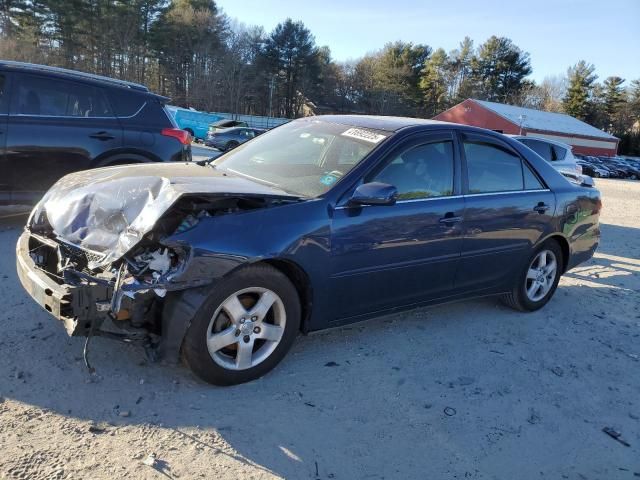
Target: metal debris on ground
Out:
[558,371]
[534,417]
[616,436]
[450,412]
[97,428]
[150,461]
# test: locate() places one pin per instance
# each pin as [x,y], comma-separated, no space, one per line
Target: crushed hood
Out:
[109,210]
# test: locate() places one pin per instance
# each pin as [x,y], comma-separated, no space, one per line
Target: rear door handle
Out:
[102,136]
[450,218]
[541,208]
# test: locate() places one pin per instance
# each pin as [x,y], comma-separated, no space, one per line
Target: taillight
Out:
[181,135]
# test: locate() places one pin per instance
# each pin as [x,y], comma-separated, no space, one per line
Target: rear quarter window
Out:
[126,103]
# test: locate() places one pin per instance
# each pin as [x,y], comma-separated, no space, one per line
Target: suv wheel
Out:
[244,328]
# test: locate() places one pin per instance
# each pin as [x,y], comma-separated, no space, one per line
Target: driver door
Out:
[391,256]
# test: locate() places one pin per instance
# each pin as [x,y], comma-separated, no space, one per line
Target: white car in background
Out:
[558,154]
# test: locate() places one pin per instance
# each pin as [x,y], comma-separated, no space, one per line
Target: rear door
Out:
[507,210]
[390,256]
[5,180]
[55,127]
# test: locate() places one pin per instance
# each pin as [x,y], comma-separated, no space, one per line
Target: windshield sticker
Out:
[365,135]
[328,179]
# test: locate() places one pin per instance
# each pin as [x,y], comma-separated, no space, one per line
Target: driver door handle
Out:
[450,218]
[102,136]
[541,208]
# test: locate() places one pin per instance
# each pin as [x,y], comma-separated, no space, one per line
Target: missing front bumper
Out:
[76,306]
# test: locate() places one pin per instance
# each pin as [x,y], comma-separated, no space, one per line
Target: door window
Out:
[4,100]
[422,171]
[42,96]
[492,168]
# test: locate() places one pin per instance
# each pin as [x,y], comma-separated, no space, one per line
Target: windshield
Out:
[304,157]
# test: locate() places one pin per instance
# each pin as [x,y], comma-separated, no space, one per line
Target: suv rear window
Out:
[44,96]
[126,103]
[559,152]
[541,148]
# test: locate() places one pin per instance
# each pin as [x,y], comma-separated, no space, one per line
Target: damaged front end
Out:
[101,250]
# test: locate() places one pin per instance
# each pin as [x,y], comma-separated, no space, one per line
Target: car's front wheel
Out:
[244,328]
[537,283]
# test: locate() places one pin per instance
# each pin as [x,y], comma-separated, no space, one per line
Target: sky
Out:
[556,34]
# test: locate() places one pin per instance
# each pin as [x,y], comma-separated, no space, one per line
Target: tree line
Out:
[192,52]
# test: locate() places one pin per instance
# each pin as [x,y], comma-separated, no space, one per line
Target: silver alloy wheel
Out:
[541,275]
[240,336]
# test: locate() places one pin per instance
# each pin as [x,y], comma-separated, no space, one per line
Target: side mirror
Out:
[587,181]
[374,193]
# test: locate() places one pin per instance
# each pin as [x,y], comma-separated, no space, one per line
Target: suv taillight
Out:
[181,135]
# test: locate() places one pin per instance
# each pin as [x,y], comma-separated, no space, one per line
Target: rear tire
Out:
[535,285]
[233,340]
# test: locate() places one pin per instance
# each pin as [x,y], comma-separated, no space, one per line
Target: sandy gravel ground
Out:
[470,390]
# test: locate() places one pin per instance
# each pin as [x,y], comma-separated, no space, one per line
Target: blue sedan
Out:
[229,138]
[321,222]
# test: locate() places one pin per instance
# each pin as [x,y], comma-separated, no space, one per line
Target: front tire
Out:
[244,328]
[538,281]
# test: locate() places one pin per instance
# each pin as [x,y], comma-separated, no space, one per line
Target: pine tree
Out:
[614,101]
[577,101]
[290,52]
[434,83]
[499,69]
[461,82]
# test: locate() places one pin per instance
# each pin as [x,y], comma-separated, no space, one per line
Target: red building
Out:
[584,138]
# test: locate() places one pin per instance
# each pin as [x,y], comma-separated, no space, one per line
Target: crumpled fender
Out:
[109,210]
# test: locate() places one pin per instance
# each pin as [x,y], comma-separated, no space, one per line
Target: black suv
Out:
[55,121]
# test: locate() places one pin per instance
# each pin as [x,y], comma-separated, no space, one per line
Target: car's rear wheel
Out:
[244,328]
[538,281]
[231,145]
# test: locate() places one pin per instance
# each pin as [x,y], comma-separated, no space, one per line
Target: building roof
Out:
[545,121]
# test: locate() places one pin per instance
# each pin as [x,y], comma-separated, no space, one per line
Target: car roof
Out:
[72,74]
[389,124]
